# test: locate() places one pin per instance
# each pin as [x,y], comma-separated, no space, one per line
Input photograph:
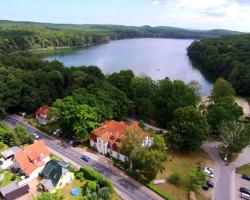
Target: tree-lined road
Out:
[125,186]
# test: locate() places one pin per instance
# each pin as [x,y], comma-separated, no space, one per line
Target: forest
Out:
[22,36]
[227,57]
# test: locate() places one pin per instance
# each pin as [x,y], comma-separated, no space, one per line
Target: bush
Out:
[89,174]
[174,179]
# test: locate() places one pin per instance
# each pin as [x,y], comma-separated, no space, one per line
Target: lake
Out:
[157,58]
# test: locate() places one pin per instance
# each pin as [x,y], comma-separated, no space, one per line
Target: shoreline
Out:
[51,48]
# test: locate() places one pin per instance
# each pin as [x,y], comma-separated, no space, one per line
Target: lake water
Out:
[157,58]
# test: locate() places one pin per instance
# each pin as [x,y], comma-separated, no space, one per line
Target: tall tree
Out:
[131,145]
[221,89]
[235,137]
[224,109]
[188,129]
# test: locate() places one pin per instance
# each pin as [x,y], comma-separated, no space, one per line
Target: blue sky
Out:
[199,14]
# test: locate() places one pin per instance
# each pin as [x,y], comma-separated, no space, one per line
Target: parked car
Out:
[244,190]
[246,177]
[210,183]
[75,144]
[1,162]
[244,195]
[209,171]
[57,132]
[85,158]
[207,184]
[36,136]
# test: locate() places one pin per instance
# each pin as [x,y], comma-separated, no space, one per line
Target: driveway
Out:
[227,181]
[126,187]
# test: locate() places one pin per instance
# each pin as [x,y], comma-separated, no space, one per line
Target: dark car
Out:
[246,177]
[75,144]
[85,158]
[1,162]
[245,190]
[210,183]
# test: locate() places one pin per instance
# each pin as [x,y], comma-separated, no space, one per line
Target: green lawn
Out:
[244,169]
[8,178]
[65,192]
[183,163]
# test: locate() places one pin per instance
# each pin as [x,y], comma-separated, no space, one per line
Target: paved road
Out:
[227,187]
[126,187]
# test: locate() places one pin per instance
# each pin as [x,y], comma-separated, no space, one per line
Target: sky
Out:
[192,14]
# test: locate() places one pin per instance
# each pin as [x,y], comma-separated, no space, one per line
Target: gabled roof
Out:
[43,110]
[113,132]
[13,190]
[52,172]
[10,152]
[30,158]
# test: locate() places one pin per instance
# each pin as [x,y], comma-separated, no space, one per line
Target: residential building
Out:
[108,137]
[32,159]
[42,114]
[13,191]
[55,175]
[9,153]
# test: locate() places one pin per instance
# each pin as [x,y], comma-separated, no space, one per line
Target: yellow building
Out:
[55,175]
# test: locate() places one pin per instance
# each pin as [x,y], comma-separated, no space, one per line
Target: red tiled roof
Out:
[43,110]
[113,132]
[30,158]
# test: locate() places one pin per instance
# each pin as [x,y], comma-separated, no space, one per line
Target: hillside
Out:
[227,56]
[21,36]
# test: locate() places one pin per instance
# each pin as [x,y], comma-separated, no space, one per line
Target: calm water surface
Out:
[157,58]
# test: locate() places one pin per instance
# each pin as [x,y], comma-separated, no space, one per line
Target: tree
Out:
[235,137]
[131,145]
[221,89]
[154,162]
[224,109]
[123,81]
[170,96]
[77,120]
[22,136]
[188,129]
[196,178]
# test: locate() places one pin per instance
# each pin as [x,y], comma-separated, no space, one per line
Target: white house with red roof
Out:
[108,137]
[32,159]
[42,114]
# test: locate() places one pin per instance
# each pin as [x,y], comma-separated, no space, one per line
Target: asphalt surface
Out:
[227,181]
[127,189]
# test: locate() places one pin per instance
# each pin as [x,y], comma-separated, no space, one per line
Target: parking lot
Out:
[239,182]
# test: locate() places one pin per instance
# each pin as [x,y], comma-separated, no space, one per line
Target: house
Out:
[32,159]
[9,153]
[108,137]
[42,114]
[55,175]
[13,191]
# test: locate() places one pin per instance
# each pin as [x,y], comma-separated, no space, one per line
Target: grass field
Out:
[8,178]
[183,163]
[244,169]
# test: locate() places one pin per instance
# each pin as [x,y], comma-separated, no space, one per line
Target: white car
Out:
[36,136]
[209,171]
[57,132]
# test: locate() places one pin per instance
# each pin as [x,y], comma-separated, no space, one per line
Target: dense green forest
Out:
[28,82]
[227,57]
[21,36]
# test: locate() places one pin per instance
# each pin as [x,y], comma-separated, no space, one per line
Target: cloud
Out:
[242,2]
